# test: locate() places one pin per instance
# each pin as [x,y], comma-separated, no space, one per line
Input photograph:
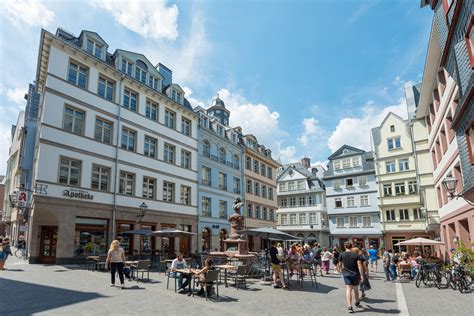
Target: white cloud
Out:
[16,95]
[151,19]
[5,142]
[31,13]
[311,130]
[188,92]
[287,154]
[356,131]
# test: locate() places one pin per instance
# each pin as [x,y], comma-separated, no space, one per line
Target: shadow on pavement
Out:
[376,310]
[135,287]
[14,270]
[375,300]
[23,298]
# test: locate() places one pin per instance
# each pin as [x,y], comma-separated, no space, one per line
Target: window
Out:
[168,191]
[312,218]
[248,163]
[206,176]
[103,131]
[249,210]
[257,211]
[140,74]
[390,166]
[284,202]
[303,219]
[470,130]
[392,128]
[236,183]
[223,209]
[149,185]
[151,110]
[291,186]
[387,190]
[255,166]
[73,120]
[311,200]
[206,148]
[403,164]
[126,67]
[271,215]
[390,215]
[366,221]
[270,193]
[263,169]
[417,214]
[169,153]
[176,96]
[249,186]
[338,202]
[282,187]
[302,201]
[264,191]
[340,221]
[206,206]
[346,163]
[78,75]
[270,173]
[350,201]
[127,183]
[106,89]
[130,100]
[186,127]
[412,187]
[364,200]
[153,82]
[69,171]
[400,188]
[301,185]
[257,189]
[94,49]
[355,161]
[264,213]
[393,143]
[222,181]
[336,184]
[292,201]
[100,178]
[284,219]
[404,214]
[349,182]
[222,155]
[150,147]
[185,159]
[128,139]
[170,118]
[185,195]
[337,164]
[292,219]
[352,221]
[362,181]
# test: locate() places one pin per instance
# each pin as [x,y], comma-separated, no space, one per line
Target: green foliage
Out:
[467,255]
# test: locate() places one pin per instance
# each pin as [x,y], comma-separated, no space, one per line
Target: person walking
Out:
[386,263]
[6,250]
[116,260]
[335,260]
[325,259]
[373,258]
[352,273]
[276,268]
[393,265]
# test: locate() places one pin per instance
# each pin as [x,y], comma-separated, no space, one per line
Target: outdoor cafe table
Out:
[225,267]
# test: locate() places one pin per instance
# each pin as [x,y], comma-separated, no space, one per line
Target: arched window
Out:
[206,148]
[236,161]
[222,155]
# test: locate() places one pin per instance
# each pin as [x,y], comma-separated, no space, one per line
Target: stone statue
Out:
[237,204]
[236,220]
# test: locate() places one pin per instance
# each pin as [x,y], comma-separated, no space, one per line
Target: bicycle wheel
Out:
[462,286]
[453,283]
[19,253]
[419,276]
[442,279]
[425,277]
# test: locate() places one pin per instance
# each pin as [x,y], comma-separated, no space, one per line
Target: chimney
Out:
[306,162]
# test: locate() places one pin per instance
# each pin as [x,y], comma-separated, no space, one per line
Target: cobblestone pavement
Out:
[71,290]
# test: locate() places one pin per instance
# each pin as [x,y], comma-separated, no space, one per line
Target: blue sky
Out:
[305,77]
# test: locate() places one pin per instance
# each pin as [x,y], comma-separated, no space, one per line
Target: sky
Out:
[305,77]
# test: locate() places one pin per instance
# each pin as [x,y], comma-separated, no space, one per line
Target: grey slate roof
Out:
[314,182]
[367,162]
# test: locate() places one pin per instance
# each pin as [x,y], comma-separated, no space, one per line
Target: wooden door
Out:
[48,243]
[184,245]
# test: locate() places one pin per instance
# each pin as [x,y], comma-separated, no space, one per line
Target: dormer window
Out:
[126,67]
[176,96]
[153,82]
[94,49]
[140,74]
[220,130]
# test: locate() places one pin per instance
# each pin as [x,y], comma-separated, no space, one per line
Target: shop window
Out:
[126,240]
[90,236]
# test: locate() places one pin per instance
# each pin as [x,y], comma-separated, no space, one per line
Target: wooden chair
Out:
[212,277]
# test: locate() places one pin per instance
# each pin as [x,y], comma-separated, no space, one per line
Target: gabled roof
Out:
[351,152]
[313,181]
[95,35]
[143,57]
[368,166]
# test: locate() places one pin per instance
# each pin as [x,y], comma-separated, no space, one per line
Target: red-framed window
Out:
[470,142]
[470,40]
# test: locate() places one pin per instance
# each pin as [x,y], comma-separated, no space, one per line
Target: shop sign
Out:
[77,194]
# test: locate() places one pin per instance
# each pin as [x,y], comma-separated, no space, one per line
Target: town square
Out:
[236,157]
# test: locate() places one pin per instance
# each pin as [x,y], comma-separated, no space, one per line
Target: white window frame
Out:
[150,146]
[367,221]
[340,222]
[351,221]
[364,200]
[169,153]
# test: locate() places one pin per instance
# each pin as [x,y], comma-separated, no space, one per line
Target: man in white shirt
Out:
[180,263]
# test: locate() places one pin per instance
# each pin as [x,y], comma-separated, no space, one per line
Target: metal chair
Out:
[309,267]
[142,266]
[212,277]
[101,262]
[241,276]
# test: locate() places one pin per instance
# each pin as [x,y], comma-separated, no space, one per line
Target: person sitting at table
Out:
[180,263]
[294,259]
[201,275]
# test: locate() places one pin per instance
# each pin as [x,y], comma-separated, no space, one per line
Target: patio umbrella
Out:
[420,242]
[268,233]
[142,232]
[171,232]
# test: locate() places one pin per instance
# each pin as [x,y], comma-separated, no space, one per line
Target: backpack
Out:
[395,259]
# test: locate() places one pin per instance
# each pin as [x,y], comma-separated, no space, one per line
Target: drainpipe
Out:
[117,139]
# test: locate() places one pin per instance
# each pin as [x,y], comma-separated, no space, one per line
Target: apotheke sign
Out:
[78,194]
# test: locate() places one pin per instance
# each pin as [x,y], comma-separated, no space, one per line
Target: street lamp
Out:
[450,183]
[143,208]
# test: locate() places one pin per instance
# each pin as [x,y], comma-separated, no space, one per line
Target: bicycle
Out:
[21,253]
[426,274]
[459,279]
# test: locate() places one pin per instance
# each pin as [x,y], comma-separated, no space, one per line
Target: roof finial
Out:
[217,95]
